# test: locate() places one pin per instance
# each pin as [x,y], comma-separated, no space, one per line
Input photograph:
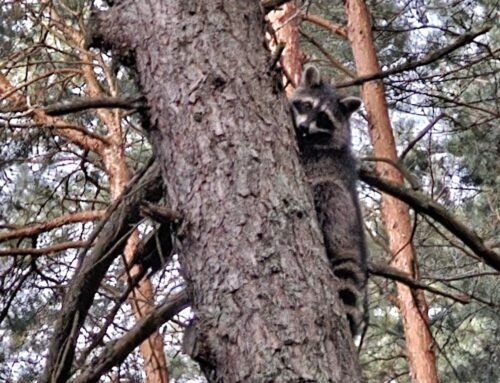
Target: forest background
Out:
[76,141]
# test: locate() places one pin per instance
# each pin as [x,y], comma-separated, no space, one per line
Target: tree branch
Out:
[425,205]
[6,93]
[419,136]
[44,250]
[431,57]
[41,227]
[412,180]
[160,214]
[337,29]
[117,351]
[75,134]
[327,54]
[387,271]
[92,103]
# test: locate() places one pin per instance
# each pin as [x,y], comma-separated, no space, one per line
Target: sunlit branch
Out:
[41,227]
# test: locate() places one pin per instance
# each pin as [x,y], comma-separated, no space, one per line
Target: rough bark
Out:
[264,297]
[395,214]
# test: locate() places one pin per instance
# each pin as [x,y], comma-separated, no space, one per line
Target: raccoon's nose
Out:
[303,129]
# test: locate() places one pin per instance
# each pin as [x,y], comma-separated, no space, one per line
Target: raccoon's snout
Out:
[303,128]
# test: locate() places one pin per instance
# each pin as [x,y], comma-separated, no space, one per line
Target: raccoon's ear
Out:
[310,76]
[351,104]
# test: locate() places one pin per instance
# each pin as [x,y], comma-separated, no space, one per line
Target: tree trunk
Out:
[395,214]
[265,300]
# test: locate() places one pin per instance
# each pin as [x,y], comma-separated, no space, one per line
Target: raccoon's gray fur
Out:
[321,118]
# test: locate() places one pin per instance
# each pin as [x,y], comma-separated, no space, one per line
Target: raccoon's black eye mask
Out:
[302,106]
[324,122]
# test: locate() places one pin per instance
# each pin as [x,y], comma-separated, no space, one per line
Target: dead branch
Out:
[329,57]
[152,253]
[421,134]
[334,28]
[44,250]
[123,213]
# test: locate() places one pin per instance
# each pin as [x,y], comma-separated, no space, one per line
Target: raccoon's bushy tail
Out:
[350,271]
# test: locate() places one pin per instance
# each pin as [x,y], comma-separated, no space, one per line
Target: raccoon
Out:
[321,120]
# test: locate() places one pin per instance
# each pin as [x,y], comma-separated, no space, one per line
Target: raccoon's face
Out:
[321,115]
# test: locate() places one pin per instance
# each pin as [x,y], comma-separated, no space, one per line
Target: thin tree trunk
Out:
[284,23]
[395,214]
[263,294]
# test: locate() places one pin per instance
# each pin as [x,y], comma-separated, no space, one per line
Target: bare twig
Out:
[44,250]
[327,54]
[419,136]
[123,213]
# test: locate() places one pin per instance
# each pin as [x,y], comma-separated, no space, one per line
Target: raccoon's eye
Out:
[324,122]
[302,106]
